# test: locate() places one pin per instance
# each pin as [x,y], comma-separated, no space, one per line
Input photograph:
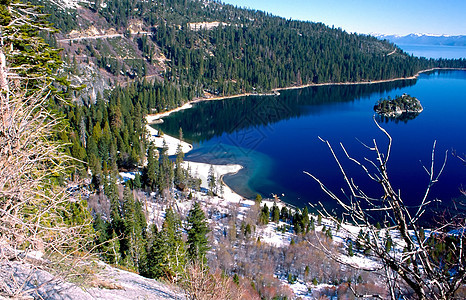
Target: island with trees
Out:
[399,107]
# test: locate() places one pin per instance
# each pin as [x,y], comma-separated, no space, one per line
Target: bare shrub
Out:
[200,284]
[411,262]
[39,220]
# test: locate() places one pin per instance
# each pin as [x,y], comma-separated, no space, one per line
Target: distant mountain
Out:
[426,39]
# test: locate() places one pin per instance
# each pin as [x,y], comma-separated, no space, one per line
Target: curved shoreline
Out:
[152,118]
[156,118]
[203,169]
[415,76]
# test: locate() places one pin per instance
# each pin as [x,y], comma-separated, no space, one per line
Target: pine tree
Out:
[156,265]
[264,215]
[284,215]
[137,181]
[111,250]
[133,244]
[197,234]
[221,188]
[388,242]
[422,235]
[305,218]
[350,248]
[297,228]
[367,251]
[258,199]
[180,176]
[247,230]
[275,213]
[25,50]
[165,176]
[328,233]
[151,171]
[298,222]
[211,181]
[360,240]
[167,254]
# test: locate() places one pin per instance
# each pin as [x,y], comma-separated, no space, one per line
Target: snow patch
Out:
[201,171]
[270,235]
[153,118]
[125,176]
[301,290]
[168,141]
[68,4]
[205,25]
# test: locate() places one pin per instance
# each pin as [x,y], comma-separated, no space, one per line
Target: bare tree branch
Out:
[35,214]
[411,258]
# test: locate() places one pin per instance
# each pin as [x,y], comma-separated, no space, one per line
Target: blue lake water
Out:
[276,138]
[434,51]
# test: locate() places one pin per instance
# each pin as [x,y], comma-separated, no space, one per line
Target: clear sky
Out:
[372,16]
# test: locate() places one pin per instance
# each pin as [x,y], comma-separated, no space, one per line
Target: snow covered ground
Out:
[68,3]
[223,203]
[125,176]
[153,118]
[228,198]
[159,140]
[201,171]
[170,142]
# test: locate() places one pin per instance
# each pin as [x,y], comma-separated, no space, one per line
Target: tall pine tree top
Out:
[197,234]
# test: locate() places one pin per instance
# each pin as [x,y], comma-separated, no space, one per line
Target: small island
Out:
[400,107]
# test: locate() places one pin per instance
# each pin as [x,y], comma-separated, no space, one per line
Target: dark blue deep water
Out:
[276,138]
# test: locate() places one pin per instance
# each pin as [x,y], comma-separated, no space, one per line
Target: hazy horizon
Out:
[394,17]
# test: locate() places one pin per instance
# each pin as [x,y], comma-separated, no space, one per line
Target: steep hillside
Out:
[99,56]
[207,48]
[102,282]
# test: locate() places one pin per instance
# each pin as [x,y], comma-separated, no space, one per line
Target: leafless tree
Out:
[36,225]
[408,258]
[200,284]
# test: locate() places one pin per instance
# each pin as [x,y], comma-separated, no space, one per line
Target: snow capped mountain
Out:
[426,35]
[425,39]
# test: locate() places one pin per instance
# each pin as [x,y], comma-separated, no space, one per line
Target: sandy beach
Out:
[201,171]
[170,142]
[151,119]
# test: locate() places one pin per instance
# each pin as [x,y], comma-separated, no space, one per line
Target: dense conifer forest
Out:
[247,50]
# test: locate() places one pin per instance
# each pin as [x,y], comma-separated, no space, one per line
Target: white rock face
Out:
[67,3]
[108,283]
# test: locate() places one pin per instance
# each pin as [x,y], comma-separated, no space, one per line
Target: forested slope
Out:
[208,47]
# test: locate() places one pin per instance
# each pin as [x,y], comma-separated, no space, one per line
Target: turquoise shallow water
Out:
[276,138]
